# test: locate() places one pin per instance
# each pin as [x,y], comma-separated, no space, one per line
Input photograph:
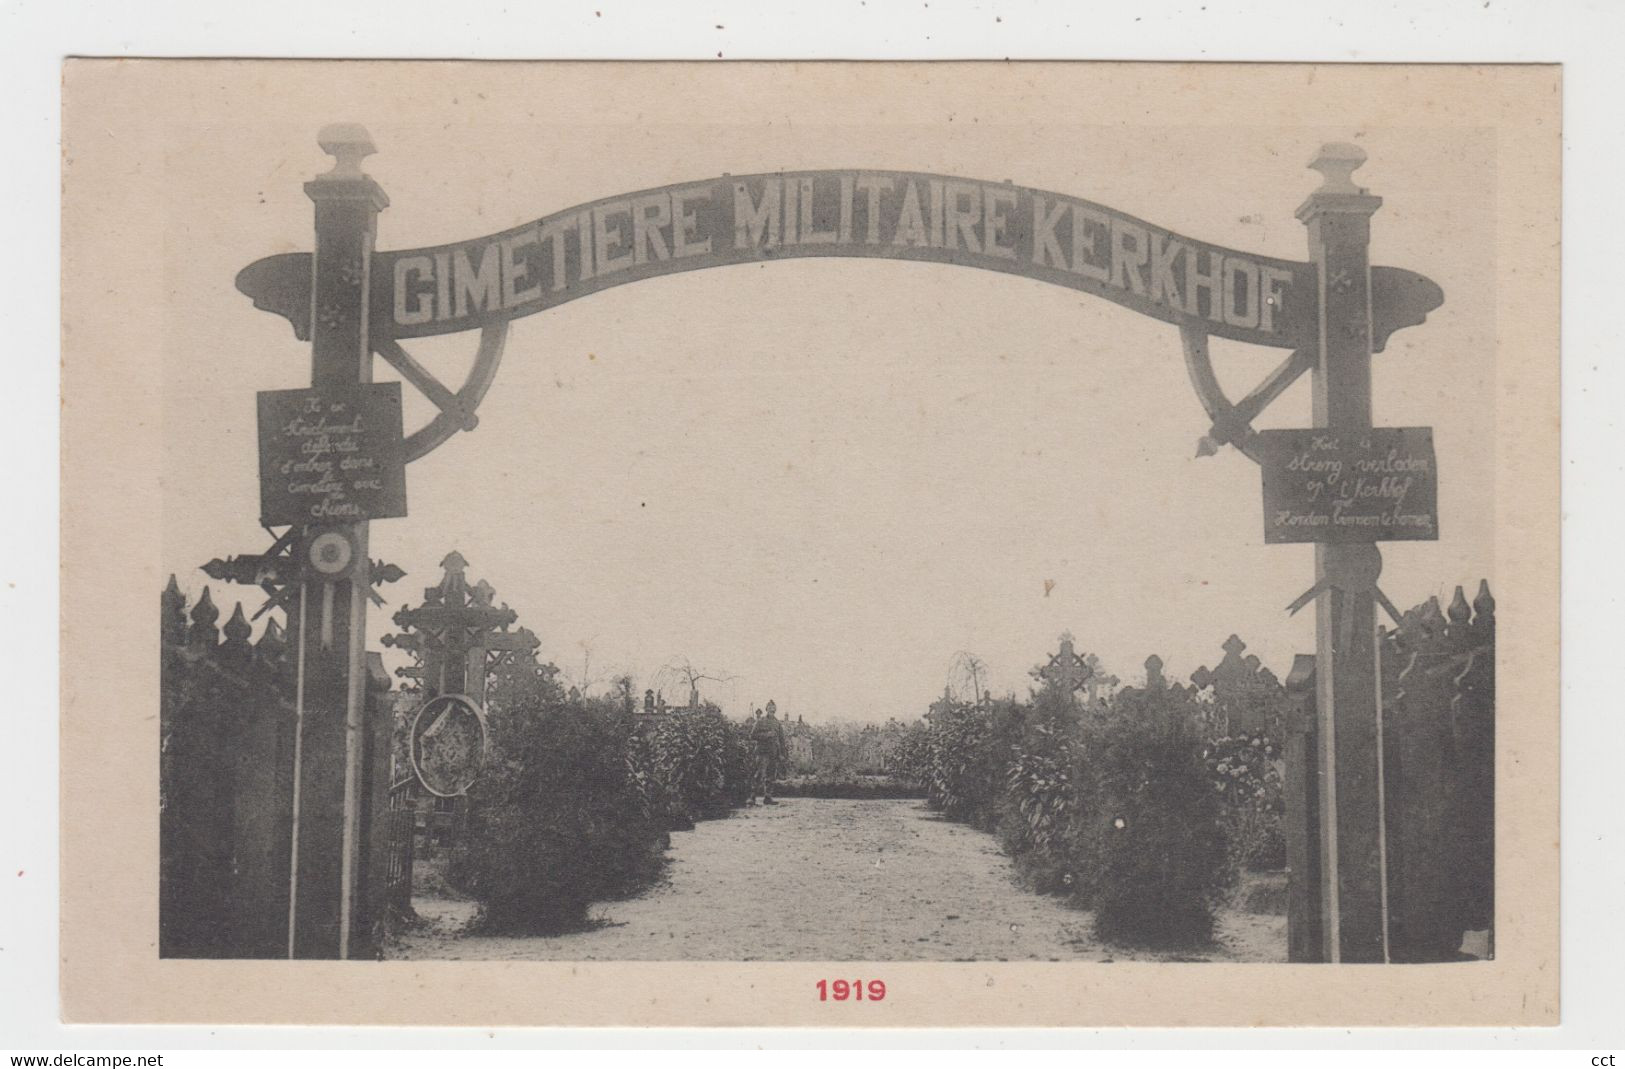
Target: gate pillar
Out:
[1338,218]
[329,837]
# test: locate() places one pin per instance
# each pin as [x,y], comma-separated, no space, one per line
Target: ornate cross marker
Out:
[457,635]
[1243,690]
[1066,671]
[1098,679]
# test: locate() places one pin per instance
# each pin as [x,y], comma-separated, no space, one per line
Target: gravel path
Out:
[829,880]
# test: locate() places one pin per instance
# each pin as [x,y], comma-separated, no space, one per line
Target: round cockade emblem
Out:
[448,744]
[331,553]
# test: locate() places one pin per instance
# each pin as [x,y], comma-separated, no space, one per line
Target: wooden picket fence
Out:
[1438,752]
[226,723]
[226,727]
[1438,732]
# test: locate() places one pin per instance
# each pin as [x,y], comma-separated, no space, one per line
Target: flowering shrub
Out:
[1245,772]
[910,759]
[1041,822]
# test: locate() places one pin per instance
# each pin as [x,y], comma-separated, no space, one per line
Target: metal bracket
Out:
[457,410]
[1232,422]
[281,285]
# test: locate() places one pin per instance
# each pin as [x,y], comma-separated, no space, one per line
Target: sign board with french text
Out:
[331,455]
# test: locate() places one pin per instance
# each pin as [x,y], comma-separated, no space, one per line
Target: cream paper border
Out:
[116,114]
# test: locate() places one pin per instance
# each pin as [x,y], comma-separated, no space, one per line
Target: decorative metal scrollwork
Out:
[281,284]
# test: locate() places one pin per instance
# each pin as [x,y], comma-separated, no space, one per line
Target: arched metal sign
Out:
[487,282]
[895,215]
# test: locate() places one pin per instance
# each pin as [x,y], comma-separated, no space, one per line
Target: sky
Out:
[827,478]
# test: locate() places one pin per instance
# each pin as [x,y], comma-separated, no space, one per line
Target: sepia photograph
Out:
[826,513]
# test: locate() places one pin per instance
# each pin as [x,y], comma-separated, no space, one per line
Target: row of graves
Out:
[1437,737]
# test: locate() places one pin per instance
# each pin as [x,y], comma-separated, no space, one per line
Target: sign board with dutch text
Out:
[331,455]
[1375,485]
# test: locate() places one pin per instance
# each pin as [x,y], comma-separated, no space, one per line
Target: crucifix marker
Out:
[1066,671]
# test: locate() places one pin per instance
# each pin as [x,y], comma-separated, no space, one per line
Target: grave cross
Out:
[457,635]
[1098,680]
[1231,670]
[1066,671]
[1154,679]
[1243,689]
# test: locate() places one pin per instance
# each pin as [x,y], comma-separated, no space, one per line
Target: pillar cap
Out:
[348,143]
[1337,161]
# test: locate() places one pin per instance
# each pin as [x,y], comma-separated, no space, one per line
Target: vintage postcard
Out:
[833,544]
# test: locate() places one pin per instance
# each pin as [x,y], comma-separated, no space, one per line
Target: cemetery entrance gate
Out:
[1329,314]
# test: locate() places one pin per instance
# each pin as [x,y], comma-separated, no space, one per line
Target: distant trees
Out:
[835,752]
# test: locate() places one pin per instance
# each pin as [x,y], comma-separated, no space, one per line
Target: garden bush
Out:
[1154,839]
[970,749]
[910,758]
[1144,806]
[560,818]
[1041,815]
[697,765]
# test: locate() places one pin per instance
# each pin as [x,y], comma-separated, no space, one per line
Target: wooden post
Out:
[329,838]
[1305,937]
[1338,216]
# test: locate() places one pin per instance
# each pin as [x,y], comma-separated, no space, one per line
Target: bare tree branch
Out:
[967,668]
[686,672]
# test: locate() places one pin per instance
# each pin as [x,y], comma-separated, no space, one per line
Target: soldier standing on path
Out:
[767,737]
[750,735]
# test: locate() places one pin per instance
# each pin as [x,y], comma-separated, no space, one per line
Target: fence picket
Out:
[226,738]
[1438,770]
